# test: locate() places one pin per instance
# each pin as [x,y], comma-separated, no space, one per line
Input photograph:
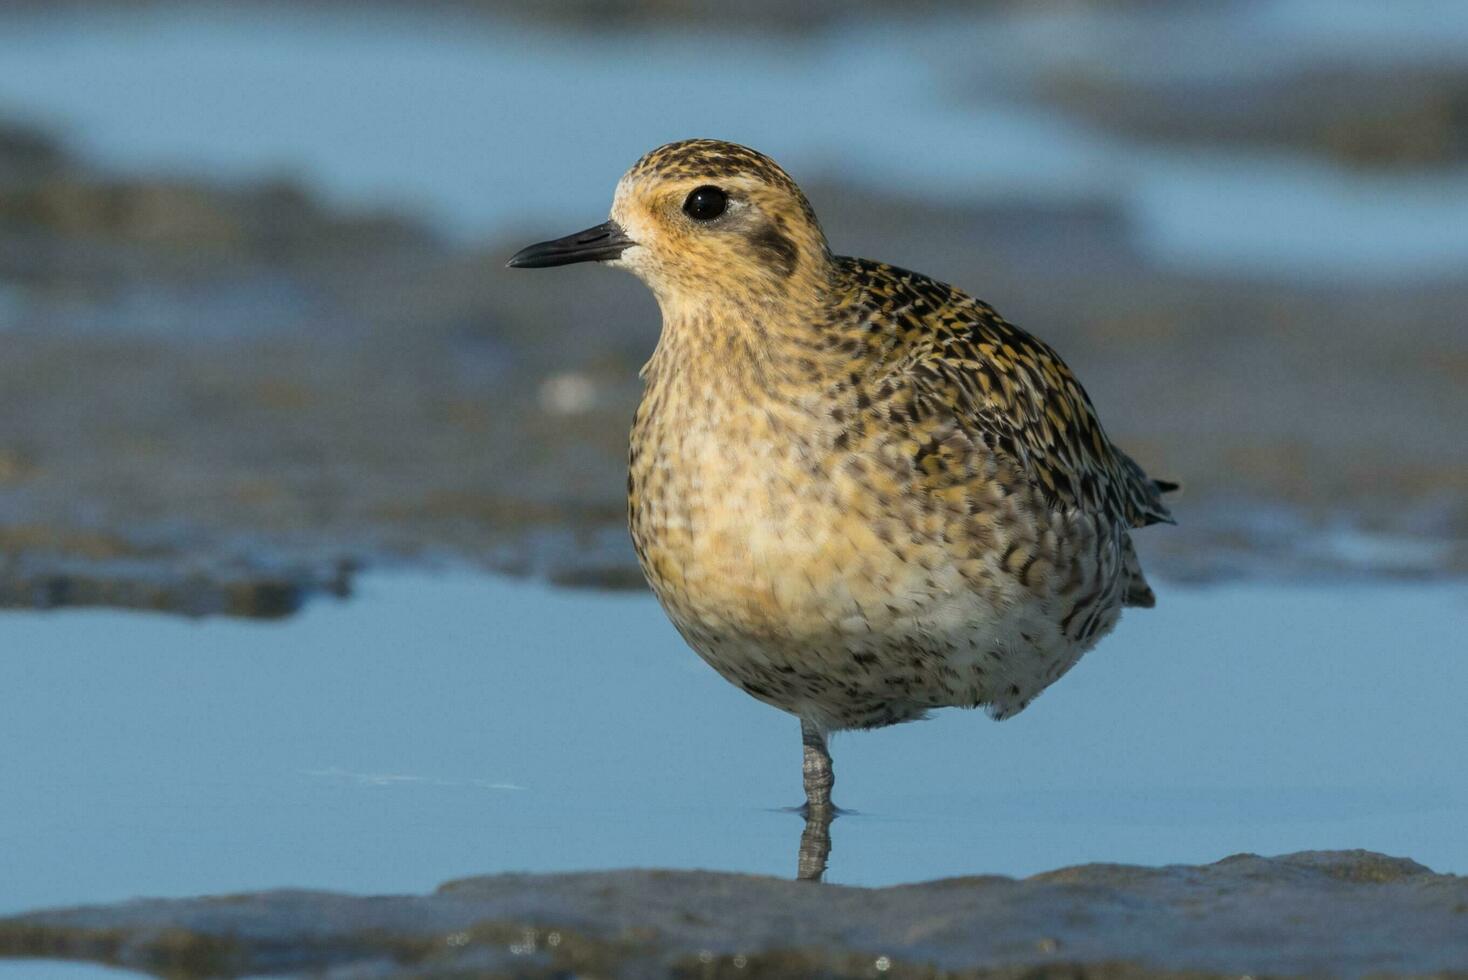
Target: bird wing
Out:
[963,362]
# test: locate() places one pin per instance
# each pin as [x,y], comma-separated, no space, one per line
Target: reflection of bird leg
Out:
[815,840]
[815,843]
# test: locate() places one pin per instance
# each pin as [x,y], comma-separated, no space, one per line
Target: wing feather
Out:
[1006,389]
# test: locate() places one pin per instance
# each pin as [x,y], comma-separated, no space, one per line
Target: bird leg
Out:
[816,768]
[815,840]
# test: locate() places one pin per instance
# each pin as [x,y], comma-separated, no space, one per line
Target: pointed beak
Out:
[606,241]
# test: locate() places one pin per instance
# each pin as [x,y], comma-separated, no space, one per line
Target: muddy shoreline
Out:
[224,399]
[227,396]
[1320,913]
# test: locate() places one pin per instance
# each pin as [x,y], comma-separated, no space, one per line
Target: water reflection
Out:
[815,844]
[439,727]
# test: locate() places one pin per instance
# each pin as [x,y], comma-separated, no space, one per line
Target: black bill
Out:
[605,241]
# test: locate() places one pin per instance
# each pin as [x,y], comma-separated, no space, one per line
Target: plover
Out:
[859,493]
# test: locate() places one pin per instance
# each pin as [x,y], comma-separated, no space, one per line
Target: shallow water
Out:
[491,128]
[438,726]
[59,970]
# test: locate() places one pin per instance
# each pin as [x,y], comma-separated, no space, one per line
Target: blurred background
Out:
[258,347]
[257,331]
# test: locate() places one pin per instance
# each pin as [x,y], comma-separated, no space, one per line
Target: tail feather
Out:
[1138,593]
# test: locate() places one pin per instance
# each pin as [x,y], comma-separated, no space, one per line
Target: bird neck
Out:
[746,341]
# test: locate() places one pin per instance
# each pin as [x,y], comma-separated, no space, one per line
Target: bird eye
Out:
[705,203]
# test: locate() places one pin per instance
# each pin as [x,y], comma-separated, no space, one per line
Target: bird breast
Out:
[747,524]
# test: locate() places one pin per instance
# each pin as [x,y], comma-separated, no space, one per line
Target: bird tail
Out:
[1138,593]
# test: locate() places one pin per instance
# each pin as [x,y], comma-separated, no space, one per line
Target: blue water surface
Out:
[438,726]
[60,970]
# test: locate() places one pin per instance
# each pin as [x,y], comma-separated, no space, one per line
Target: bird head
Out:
[702,221]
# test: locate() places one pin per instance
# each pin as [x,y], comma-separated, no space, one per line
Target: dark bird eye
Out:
[705,203]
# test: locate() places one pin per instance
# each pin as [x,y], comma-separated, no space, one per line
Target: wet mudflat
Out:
[254,341]
[1341,914]
[257,340]
[440,726]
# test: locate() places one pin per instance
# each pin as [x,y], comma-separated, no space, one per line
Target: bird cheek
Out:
[634,259]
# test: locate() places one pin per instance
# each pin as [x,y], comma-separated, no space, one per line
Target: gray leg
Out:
[816,768]
[815,842]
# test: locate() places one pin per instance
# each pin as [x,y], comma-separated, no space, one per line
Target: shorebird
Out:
[860,494]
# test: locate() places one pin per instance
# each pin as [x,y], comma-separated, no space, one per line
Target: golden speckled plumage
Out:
[859,493]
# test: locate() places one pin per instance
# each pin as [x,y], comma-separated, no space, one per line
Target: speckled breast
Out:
[740,530]
[824,583]
[787,572]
